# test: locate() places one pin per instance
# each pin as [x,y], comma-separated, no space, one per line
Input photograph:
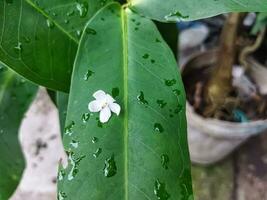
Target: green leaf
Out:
[62,105]
[39,39]
[15,96]
[187,10]
[142,153]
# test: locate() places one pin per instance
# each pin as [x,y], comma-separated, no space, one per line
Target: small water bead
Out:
[141,98]
[82,9]
[88,74]
[165,161]
[170,82]
[18,48]
[158,128]
[74,162]
[158,40]
[175,16]
[99,124]
[79,34]
[152,61]
[94,140]
[61,175]
[74,144]
[178,109]
[160,190]
[177,92]
[145,56]
[161,103]
[110,168]
[61,195]
[66,21]
[115,92]
[50,24]
[90,31]
[86,117]
[97,153]
[69,128]
[70,13]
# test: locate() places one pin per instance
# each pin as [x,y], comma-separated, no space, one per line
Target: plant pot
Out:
[211,140]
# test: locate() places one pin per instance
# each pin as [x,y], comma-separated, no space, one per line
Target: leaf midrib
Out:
[125,97]
[48,17]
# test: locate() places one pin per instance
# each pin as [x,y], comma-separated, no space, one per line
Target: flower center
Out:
[104,105]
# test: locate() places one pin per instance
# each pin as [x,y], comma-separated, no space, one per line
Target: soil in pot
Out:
[238,107]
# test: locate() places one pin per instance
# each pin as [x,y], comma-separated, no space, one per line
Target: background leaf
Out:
[142,153]
[15,96]
[39,39]
[184,10]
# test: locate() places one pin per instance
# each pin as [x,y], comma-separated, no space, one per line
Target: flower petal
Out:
[114,107]
[95,106]
[99,94]
[105,114]
[109,99]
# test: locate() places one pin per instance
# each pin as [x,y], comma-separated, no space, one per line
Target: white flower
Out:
[104,104]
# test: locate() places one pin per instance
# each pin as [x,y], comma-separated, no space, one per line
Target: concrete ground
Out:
[42,146]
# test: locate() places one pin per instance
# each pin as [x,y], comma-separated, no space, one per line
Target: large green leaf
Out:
[15,96]
[142,153]
[39,39]
[176,10]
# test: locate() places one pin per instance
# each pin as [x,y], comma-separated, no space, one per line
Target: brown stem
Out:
[220,83]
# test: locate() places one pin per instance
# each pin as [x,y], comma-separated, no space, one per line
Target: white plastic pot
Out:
[210,140]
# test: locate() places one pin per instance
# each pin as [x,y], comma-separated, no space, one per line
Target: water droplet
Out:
[69,129]
[18,48]
[136,28]
[61,175]
[82,8]
[141,98]
[165,161]
[99,124]
[94,140]
[145,56]
[54,14]
[176,92]
[70,13]
[178,109]
[133,20]
[158,40]
[138,23]
[161,103]
[102,18]
[170,82]
[74,162]
[110,168]
[160,190]
[90,31]
[49,23]
[175,16]
[152,61]
[115,92]
[1,131]
[66,21]
[61,195]
[74,144]
[97,152]
[79,33]
[86,117]
[88,74]
[158,127]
